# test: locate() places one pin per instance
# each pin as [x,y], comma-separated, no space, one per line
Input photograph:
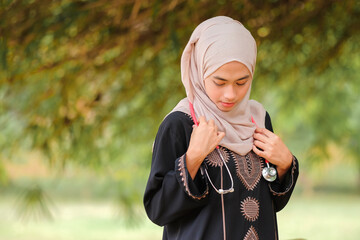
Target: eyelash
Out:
[222,84]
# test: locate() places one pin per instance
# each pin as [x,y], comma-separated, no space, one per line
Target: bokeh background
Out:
[84,85]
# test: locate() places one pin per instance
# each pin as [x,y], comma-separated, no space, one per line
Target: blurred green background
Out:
[85,84]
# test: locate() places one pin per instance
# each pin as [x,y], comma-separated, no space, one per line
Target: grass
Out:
[320,216]
[82,209]
[74,220]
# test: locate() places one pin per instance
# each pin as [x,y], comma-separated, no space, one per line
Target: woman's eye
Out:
[240,83]
[219,84]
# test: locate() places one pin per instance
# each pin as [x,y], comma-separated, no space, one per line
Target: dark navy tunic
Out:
[191,209]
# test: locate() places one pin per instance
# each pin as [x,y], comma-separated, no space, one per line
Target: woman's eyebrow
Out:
[223,79]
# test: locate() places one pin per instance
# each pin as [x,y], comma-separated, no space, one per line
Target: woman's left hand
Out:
[273,150]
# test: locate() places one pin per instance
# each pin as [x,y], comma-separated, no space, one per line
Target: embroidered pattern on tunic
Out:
[251,234]
[248,169]
[189,117]
[214,160]
[250,209]
[182,170]
[291,184]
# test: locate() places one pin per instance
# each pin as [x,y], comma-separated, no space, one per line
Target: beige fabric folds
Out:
[213,43]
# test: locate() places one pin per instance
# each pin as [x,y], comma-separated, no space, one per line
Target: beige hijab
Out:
[213,43]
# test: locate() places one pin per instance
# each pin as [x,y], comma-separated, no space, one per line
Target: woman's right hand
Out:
[203,141]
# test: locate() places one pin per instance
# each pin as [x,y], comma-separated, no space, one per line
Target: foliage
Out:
[33,203]
[89,81]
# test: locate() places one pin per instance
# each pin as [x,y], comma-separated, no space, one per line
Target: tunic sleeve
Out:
[281,191]
[170,192]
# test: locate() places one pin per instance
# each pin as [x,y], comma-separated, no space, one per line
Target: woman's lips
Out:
[225,104]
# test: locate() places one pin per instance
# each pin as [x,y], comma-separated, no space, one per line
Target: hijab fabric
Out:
[213,43]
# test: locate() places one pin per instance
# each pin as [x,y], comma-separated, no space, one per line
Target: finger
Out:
[258,152]
[220,136]
[260,144]
[260,137]
[216,128]
[202,119]
[211,122]
[264,131]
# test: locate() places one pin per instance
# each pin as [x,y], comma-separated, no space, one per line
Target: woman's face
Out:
[227,86]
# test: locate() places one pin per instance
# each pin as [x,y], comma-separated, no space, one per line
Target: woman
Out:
[206,177]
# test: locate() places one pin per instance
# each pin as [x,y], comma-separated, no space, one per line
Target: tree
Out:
[89,81]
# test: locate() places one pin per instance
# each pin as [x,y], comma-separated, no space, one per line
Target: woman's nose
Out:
[230,93]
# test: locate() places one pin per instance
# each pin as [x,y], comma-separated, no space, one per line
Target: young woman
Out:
[209,154]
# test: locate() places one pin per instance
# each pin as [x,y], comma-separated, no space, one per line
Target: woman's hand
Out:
[273,150]
[203,141]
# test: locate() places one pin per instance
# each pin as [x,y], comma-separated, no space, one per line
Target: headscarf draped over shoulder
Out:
[213,43]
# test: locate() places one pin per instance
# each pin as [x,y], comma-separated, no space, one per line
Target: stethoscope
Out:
[269,173]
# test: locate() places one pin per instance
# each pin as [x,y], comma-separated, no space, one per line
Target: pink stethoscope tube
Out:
[192,112]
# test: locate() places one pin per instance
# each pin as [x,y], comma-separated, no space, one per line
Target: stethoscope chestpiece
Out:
[269,173]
